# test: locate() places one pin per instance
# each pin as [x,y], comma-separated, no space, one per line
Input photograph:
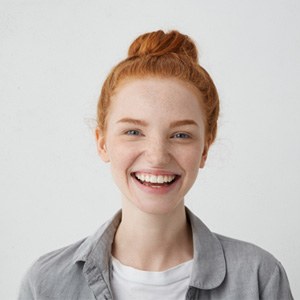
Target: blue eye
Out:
[132,132]
[181,135]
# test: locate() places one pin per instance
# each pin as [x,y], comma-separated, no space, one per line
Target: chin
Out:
[158,206]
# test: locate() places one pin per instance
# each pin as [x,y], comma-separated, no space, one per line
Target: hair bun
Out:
[158,43]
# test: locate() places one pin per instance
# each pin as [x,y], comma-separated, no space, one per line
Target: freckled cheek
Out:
[122,159]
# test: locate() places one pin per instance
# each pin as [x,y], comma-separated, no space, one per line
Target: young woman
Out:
[157,117]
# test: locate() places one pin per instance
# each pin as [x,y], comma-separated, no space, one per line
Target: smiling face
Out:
[155,142]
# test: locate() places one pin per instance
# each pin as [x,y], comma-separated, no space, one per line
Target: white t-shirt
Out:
[133,284]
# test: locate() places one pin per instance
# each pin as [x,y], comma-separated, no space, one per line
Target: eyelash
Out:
[179,135]
[132,132]
[186,135]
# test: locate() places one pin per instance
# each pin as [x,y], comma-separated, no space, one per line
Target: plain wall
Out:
[54,56]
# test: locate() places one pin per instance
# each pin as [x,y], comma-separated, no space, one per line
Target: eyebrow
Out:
[172,125]
[183,122]
[133,121]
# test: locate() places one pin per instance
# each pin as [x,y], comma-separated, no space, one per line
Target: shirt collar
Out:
[209,267]
[96,249]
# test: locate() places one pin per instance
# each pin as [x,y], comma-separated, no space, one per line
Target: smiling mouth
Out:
[155,180]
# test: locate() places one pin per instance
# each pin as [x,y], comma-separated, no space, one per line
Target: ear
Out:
[101,147]
[204,155]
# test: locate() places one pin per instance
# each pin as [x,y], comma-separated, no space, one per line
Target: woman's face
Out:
[155,142]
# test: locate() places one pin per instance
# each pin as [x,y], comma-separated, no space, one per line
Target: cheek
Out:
[190,157]
[122,158]
[192,166]
[121,162]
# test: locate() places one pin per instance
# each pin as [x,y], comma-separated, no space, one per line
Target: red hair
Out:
[170,55]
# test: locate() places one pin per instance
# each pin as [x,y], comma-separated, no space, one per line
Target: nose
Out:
[157,153]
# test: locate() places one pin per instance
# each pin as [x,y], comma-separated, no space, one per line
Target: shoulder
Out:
[251,262]
[237,254]
[63,260]
[241,252]
[234,248]
[62,269]
[237,266]
[51,269]
[57,259]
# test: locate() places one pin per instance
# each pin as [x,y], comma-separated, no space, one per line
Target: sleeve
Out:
[277,287]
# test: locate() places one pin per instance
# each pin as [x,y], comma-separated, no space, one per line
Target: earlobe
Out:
[101,147]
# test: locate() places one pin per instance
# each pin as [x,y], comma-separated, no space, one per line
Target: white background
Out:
[55,55]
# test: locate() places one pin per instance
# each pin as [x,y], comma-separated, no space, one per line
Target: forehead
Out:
[161,97]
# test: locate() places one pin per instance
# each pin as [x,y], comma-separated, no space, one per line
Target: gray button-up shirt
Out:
[223,268]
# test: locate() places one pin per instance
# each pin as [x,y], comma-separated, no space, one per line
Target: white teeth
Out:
[160,179]
[154,178]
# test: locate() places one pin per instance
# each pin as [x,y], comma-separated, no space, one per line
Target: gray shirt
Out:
[223,268]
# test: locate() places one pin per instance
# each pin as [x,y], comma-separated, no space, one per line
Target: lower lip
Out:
[155,190]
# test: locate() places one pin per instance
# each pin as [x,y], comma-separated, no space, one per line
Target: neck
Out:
[153,242]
